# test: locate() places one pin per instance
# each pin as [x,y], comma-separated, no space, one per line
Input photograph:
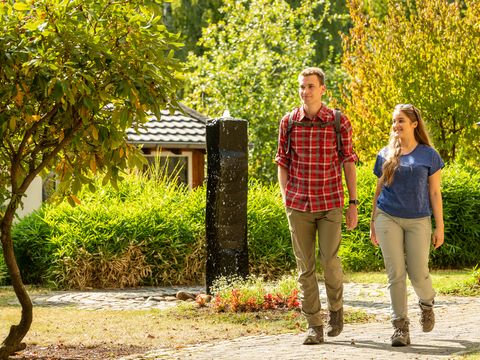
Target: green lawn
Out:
[445,282]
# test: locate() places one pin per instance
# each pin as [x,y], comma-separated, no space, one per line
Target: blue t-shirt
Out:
[408,195]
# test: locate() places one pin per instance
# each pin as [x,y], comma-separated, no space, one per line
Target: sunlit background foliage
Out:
[376,54]
[423,53]
[244,56]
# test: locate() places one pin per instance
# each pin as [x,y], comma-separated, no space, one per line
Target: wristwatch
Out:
[354,201]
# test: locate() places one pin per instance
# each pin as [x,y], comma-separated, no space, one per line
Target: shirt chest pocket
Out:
[311,140]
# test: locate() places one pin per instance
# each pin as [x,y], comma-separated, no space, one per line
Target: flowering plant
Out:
[253,294]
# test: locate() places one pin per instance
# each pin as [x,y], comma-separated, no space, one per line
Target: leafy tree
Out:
[426,54]
[249,66]
[72,79]
[189,17]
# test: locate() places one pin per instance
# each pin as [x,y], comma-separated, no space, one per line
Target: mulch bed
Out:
[63,352]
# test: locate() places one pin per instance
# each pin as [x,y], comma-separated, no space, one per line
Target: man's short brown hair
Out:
[314,71]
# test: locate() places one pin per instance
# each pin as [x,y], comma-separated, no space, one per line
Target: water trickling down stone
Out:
[226,211]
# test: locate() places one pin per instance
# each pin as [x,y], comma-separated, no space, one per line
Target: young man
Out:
[310,177]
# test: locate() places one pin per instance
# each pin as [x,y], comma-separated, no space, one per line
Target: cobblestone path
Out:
[457,327]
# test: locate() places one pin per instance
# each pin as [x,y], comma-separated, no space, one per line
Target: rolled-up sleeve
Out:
[282,158]
[349,154]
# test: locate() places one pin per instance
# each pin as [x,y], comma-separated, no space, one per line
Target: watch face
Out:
[356,202]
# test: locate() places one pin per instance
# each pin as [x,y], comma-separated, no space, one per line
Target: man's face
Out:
[310,90]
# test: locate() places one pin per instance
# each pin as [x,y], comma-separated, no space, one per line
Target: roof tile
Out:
[172,129]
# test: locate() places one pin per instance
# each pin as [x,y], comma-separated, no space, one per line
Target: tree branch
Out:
[34,127]
[46,160]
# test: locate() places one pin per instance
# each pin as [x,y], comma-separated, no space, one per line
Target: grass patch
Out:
[472,354]
[8,298]
[357,316]
[440,278]
[139,328]
[176,327]
[450,282]
[445,282]
[366,277]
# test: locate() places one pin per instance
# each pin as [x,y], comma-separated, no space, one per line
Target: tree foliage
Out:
[189,17]
[249,66]
[73,77]
[424,53]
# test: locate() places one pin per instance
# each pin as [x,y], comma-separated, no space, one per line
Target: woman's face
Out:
[403,127]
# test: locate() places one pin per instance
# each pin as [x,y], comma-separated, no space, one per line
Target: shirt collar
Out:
[321,114]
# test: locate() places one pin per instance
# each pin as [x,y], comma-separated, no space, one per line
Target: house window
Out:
[169,166]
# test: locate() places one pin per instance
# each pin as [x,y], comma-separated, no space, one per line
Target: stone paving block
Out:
[455,330]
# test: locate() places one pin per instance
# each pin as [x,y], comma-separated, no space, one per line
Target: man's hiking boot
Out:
[314,336]
[335,323]
[427,317]
[401,333]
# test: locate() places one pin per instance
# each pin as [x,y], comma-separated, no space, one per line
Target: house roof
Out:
[185,129]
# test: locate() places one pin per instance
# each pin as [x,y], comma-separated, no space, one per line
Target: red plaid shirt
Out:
[314,169]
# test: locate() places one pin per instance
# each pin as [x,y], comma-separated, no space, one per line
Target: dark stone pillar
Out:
[226,211]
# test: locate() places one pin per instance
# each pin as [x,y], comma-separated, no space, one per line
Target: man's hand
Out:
[351,217]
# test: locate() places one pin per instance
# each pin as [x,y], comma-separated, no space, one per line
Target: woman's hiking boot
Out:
[401,333]
[427,317]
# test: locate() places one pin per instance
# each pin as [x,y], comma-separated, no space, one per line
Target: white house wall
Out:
[33,199]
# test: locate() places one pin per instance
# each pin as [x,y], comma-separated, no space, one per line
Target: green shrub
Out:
[357,252]
[33,249]
[3,270]
[152,232]
[78,246]
[461,209]
[269,244]
[163,220]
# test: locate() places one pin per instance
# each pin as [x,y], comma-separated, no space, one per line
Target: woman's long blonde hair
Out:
[394,150]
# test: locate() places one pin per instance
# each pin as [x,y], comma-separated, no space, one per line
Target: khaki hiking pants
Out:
[405,245]
[304,227]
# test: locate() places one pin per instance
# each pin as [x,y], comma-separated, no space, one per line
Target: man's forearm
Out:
[282,180]
[351,179]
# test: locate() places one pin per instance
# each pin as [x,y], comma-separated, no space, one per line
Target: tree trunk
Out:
[12,343]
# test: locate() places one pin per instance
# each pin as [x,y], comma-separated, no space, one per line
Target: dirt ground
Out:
[59,352]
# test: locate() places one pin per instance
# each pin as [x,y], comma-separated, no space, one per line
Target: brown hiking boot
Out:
[427,317]
[314,336]
[401,333]
[335,323]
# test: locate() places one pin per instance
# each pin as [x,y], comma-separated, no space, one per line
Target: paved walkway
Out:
[457,328]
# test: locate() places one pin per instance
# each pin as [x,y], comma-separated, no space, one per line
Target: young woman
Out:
[408,190]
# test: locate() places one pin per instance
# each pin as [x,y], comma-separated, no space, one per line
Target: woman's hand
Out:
[438,238]
[373,235]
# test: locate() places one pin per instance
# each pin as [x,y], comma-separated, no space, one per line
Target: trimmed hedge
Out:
[357,252]
[152,233]
[148,232]
[461,208]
